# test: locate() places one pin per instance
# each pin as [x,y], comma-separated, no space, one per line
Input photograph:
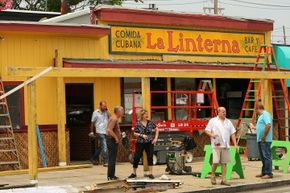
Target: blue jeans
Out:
[266,157]
[101,148]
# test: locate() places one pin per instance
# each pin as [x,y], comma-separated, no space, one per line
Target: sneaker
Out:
[259,176]
[150,176]
[213,180]
[132,176]
[225,183]
[105,164]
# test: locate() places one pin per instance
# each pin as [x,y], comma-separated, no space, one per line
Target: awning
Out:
[283,57]
[82,68]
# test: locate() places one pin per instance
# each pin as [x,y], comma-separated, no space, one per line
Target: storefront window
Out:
[15,105]
[230,94]
[183,84]
[158,99]
[130,86]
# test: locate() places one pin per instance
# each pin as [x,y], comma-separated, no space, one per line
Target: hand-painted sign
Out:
[184,42]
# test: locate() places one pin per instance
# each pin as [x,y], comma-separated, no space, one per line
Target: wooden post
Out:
[169,111]
[214,87]
[146,100]
[266,95]
[32,137]
[286,122]
[61,114]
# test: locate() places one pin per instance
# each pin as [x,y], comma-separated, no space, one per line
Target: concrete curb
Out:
[244,187]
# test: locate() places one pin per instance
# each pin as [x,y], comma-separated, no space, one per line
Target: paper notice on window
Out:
[128,103]
[181,99]
[200,98]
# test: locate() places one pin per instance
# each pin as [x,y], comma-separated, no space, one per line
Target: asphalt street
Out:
[282,189]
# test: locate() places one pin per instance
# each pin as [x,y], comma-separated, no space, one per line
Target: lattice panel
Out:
[49,140]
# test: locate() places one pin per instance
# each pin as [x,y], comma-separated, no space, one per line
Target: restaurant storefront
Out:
[143,51]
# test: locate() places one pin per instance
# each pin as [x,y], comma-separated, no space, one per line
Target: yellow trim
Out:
[114,72]
[32,139]
[61,118]
[169,111]
[145,84]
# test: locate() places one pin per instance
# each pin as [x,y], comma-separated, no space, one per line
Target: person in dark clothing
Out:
[145,141]
[113,139]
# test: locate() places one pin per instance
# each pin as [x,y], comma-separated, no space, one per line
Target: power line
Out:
[279,36]
[189,3]
[262,4]
[255,7]
[278,28]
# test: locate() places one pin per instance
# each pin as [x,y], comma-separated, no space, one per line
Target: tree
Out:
[41,5]
[54,5]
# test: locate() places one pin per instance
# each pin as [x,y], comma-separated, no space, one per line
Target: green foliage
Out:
[54,5]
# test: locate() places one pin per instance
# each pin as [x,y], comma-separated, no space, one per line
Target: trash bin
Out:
[252,146]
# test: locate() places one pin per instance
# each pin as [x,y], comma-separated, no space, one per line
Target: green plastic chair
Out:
[235,165]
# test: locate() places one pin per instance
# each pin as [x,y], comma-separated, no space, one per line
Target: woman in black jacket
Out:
[144,132]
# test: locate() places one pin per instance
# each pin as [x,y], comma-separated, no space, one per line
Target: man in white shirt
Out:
[221,131]
[99,122]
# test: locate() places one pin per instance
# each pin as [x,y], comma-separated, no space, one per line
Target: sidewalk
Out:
[75,180]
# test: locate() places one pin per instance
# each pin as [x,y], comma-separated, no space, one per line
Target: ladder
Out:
[280,104]
[206,85]
[266,57]
[281,100]
[253,93]
[8,152]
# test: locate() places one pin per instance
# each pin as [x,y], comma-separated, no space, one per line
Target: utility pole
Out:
[284,35]
[216,7]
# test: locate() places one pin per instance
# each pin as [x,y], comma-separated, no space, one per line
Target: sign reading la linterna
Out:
[143,40]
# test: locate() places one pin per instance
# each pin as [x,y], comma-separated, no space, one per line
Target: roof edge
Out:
[67,29]
[153,17]
[66,16]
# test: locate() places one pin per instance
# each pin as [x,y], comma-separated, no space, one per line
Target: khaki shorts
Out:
[220,155]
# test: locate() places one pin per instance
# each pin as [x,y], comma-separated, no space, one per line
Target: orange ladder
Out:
[206,85]
[266,58]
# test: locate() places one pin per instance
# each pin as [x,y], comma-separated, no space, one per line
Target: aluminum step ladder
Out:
[9,156]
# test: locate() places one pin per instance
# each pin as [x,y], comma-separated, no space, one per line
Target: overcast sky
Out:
[277,10]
